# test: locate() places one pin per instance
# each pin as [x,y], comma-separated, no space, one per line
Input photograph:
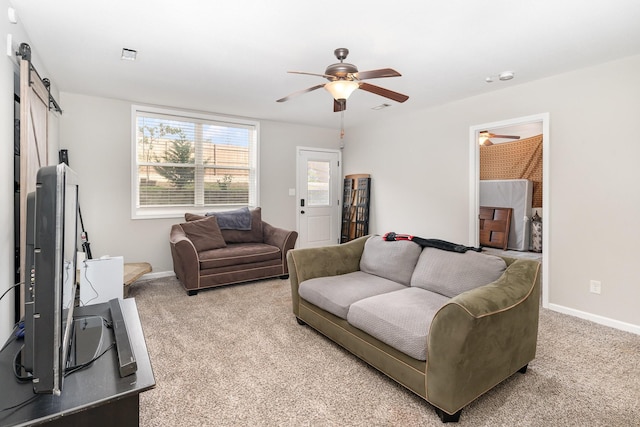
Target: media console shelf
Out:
[95,396]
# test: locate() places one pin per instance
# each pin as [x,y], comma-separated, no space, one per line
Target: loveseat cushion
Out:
[452,273]
[254,235]
[238,253]
[400,319]
[204,234]
[392,260]
[336,293]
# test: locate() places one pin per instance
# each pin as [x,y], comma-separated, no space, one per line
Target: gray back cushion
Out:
[391,260]
[451,273]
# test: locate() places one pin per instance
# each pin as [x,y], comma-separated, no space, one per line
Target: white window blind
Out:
[192,162]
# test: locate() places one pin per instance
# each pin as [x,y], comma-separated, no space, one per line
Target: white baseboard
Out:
[612,323]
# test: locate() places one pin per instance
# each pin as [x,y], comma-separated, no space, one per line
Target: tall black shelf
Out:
[355,207]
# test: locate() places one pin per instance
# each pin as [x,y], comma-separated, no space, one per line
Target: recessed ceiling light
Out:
[11,14]
[129,54]
[506,75]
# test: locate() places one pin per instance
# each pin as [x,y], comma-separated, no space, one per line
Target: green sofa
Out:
[474,340]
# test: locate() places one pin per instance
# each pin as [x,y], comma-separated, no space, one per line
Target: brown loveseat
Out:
[206,256]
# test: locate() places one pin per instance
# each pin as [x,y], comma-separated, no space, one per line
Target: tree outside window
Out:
[184,162]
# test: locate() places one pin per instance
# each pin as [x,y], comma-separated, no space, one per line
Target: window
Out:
[188,162]
[318,182]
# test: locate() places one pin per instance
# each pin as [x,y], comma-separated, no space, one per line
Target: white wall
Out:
[419,167]
[97,133]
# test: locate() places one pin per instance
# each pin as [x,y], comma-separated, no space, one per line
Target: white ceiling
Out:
[231,57]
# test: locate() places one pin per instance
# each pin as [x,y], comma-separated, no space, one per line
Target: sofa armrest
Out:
[308,263]
[186,263]
[283,239]
[483,336]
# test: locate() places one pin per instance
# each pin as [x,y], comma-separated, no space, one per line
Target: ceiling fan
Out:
[484,137]
[344,78]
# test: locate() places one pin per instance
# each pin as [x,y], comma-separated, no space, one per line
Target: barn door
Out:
[34,123]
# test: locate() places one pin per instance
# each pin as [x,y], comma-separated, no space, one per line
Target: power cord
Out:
[21,404]
[20,378]
[86,266]
[17,365]
[77,368]
[105,321]
[7,291]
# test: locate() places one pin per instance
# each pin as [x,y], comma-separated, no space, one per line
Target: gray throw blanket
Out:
[237,219]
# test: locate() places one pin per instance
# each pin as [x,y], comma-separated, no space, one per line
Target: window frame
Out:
[177,211]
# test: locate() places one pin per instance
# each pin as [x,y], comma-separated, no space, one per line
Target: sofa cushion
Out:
[392,260]
[204,234]
[238,253]
[254,235]
[400,319]
[452,273]
[336,293]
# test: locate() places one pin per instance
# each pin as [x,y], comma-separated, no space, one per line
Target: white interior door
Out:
[318,197]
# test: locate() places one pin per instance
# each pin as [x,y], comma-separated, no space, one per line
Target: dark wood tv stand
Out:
[94,396]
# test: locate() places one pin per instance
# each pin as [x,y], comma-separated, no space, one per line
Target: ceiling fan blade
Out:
[376,74]
[327,76]
[504,136]
[339,105]
[300,92]
[384,92]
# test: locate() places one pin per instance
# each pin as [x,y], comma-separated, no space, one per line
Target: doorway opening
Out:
[523,127]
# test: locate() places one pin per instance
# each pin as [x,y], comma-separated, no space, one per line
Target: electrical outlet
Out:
[595,287]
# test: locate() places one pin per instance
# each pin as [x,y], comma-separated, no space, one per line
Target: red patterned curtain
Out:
[515,160]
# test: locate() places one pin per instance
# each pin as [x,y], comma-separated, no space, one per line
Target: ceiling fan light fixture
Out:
[341,89]
[506,75]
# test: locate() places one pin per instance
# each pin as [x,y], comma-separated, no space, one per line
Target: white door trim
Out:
[474,187]
[338,184]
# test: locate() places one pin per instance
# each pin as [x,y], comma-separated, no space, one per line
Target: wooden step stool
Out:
[132,272]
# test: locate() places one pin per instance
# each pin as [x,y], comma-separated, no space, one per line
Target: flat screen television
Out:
[51,276]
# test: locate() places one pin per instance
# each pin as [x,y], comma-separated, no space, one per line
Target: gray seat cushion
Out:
[400,319]
[392,260]
[451,273]
[336,293]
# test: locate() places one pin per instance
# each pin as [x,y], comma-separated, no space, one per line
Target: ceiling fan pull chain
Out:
[342,124]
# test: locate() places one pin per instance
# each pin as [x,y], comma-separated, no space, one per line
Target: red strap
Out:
[404,237]
[391,236]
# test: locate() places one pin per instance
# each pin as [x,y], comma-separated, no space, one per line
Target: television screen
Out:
[53,276]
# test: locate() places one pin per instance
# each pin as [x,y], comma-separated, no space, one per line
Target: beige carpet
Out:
[236,356]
